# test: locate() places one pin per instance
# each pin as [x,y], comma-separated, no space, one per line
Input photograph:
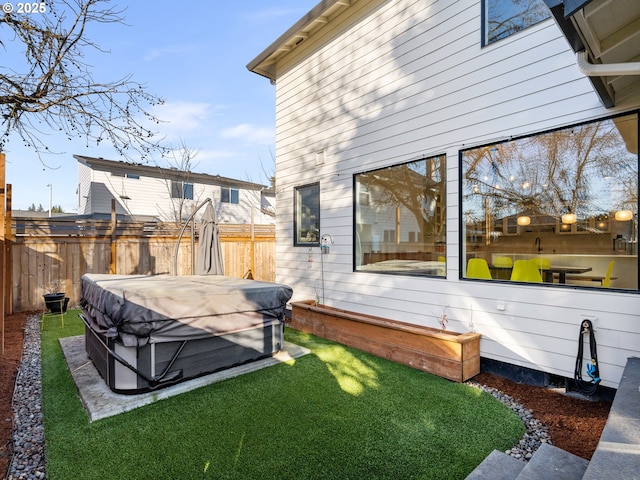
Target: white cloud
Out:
[179,118]
[250,133]
[164,51]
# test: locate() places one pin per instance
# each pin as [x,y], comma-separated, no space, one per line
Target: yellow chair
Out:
[542,263]
[55,308]
[606,281]
[478,268]
[503,262]
[525,271]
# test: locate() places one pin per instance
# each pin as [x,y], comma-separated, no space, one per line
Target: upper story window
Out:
[125,175]
[502,18]
[229,195]
[306,219]
[559,207]
[400,218]
[181,190]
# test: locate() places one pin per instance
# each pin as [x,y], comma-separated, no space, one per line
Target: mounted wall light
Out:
[569,218]
[523,221]
[624,215]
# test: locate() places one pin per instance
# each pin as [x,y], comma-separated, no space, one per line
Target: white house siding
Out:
[392,81]
[84,183]
[151,196]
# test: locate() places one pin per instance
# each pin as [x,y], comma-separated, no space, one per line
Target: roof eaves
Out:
[166,173]
[562,12]
[264,63]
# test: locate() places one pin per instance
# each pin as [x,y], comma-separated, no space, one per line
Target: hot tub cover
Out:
[138,309]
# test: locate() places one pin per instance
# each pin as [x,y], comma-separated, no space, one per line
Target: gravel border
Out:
[28,459]
[536,432]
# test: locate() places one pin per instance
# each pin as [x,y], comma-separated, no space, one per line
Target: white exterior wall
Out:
[152,196]
[392,81]
[84,184]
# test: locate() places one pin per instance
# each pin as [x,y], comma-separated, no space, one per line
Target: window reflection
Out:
[307,215]
[506,17]
[556,196]
[400,218]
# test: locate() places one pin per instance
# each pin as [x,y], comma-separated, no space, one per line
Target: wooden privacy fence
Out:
[44,251]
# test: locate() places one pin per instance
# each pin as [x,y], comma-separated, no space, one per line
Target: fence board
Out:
[49,250]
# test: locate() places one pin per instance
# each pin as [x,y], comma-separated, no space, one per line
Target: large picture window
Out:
[400,218]
[307,215]
[560,207]
[503,18]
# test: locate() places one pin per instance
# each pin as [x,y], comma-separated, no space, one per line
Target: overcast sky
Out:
[194,55]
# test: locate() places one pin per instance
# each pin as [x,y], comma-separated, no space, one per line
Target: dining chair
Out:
[606,281]
[478,268]
[525,271]
[542,263]
[503,262]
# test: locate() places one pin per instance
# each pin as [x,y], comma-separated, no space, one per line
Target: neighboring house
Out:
[168,194]
[413,136]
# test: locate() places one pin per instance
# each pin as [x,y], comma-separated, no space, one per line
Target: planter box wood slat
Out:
[452,355]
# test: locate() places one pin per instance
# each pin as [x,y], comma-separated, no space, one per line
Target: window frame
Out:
[484,30]
[182,190]
[297,237]
[437,183]
[232,195]
[574,229]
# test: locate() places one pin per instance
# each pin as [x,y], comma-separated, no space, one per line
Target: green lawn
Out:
[337,413]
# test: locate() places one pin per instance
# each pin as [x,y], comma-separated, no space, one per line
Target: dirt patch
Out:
[575,425]
[9,365]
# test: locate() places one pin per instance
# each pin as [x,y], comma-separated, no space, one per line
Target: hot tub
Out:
[146,332]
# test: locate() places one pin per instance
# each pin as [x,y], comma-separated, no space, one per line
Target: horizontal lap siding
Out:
[392,81]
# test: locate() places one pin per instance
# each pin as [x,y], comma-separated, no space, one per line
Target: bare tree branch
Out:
[54,89]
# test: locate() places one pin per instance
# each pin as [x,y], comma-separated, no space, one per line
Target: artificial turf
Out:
[337,413]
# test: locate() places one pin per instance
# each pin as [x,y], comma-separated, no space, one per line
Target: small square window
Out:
[229,195]
[182,190]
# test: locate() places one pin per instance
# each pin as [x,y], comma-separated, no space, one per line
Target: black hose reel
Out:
[587,387]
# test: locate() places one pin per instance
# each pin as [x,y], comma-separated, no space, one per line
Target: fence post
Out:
[3,264]
[8,255]
[112,265]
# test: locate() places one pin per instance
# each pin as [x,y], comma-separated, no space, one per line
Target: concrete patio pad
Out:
[101,402]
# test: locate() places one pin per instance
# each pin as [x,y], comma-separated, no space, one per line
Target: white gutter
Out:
[605,69]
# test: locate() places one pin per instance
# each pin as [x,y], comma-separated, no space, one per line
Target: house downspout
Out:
[609,69]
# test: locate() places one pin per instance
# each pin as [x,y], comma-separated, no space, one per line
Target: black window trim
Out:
[462,257]
[297,243]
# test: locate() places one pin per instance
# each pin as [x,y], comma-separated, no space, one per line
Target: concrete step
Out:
[550,462]
[618,452]
[497,466]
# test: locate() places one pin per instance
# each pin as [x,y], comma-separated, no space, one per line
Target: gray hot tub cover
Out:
[139,309]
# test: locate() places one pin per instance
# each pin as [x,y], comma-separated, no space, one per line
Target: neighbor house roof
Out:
[608,31]
[165,173]
[322,14]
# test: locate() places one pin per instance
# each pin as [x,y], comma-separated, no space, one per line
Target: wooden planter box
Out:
[455,356]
